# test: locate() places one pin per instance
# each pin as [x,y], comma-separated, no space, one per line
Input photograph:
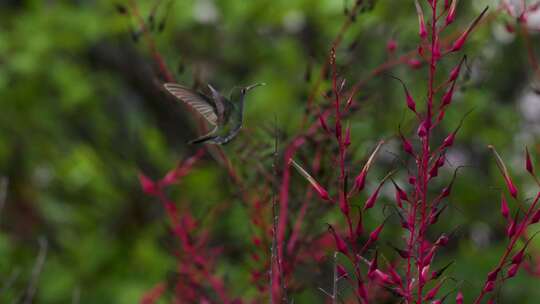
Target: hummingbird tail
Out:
[201,139]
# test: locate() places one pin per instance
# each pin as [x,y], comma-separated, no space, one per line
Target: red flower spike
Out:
[451,16]
[459,298]
[528,163]
[512,270]
[458,44]
[502,167]
[340,243]
[148,186]
[504,207]
[422,32]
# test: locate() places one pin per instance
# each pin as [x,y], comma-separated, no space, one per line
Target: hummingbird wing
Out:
[223,106]
[199,102]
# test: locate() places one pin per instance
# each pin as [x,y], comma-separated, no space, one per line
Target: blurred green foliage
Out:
[81,113]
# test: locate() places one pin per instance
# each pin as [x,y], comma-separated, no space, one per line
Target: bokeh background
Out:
[82,113]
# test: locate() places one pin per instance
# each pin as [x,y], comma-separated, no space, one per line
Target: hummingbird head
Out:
[238,93]
[244,90]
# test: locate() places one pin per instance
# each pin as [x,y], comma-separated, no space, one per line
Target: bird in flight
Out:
[225,114]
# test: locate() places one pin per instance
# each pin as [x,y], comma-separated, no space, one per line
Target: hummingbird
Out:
[225,114]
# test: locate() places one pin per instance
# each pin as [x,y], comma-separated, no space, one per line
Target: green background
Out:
[81,113]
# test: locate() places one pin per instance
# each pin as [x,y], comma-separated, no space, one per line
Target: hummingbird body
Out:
[225,114]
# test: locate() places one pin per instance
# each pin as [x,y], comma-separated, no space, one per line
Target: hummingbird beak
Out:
[246,89]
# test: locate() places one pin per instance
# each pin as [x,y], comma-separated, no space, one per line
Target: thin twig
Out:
[36,271]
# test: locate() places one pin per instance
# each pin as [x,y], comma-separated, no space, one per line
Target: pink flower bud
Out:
[447,97]
[442,240]
[323,124]
[374,235]
[492,276]
[512,270]
[414,63]
[360,180]
[391,45]
[458,44]
[148,186]
[511,187]
[422,32]
[451,16]
[407,146]
[340,243]
[504,207]
[536,217]
[373,267]
[411,104]
[455,71]
[459,298]
[433,292]
[342,272]
[424,274]
[423,128]
[511,229]
[502,167]
[449,140]
[518,258]
[347,141]
[490,285]
[370,202]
